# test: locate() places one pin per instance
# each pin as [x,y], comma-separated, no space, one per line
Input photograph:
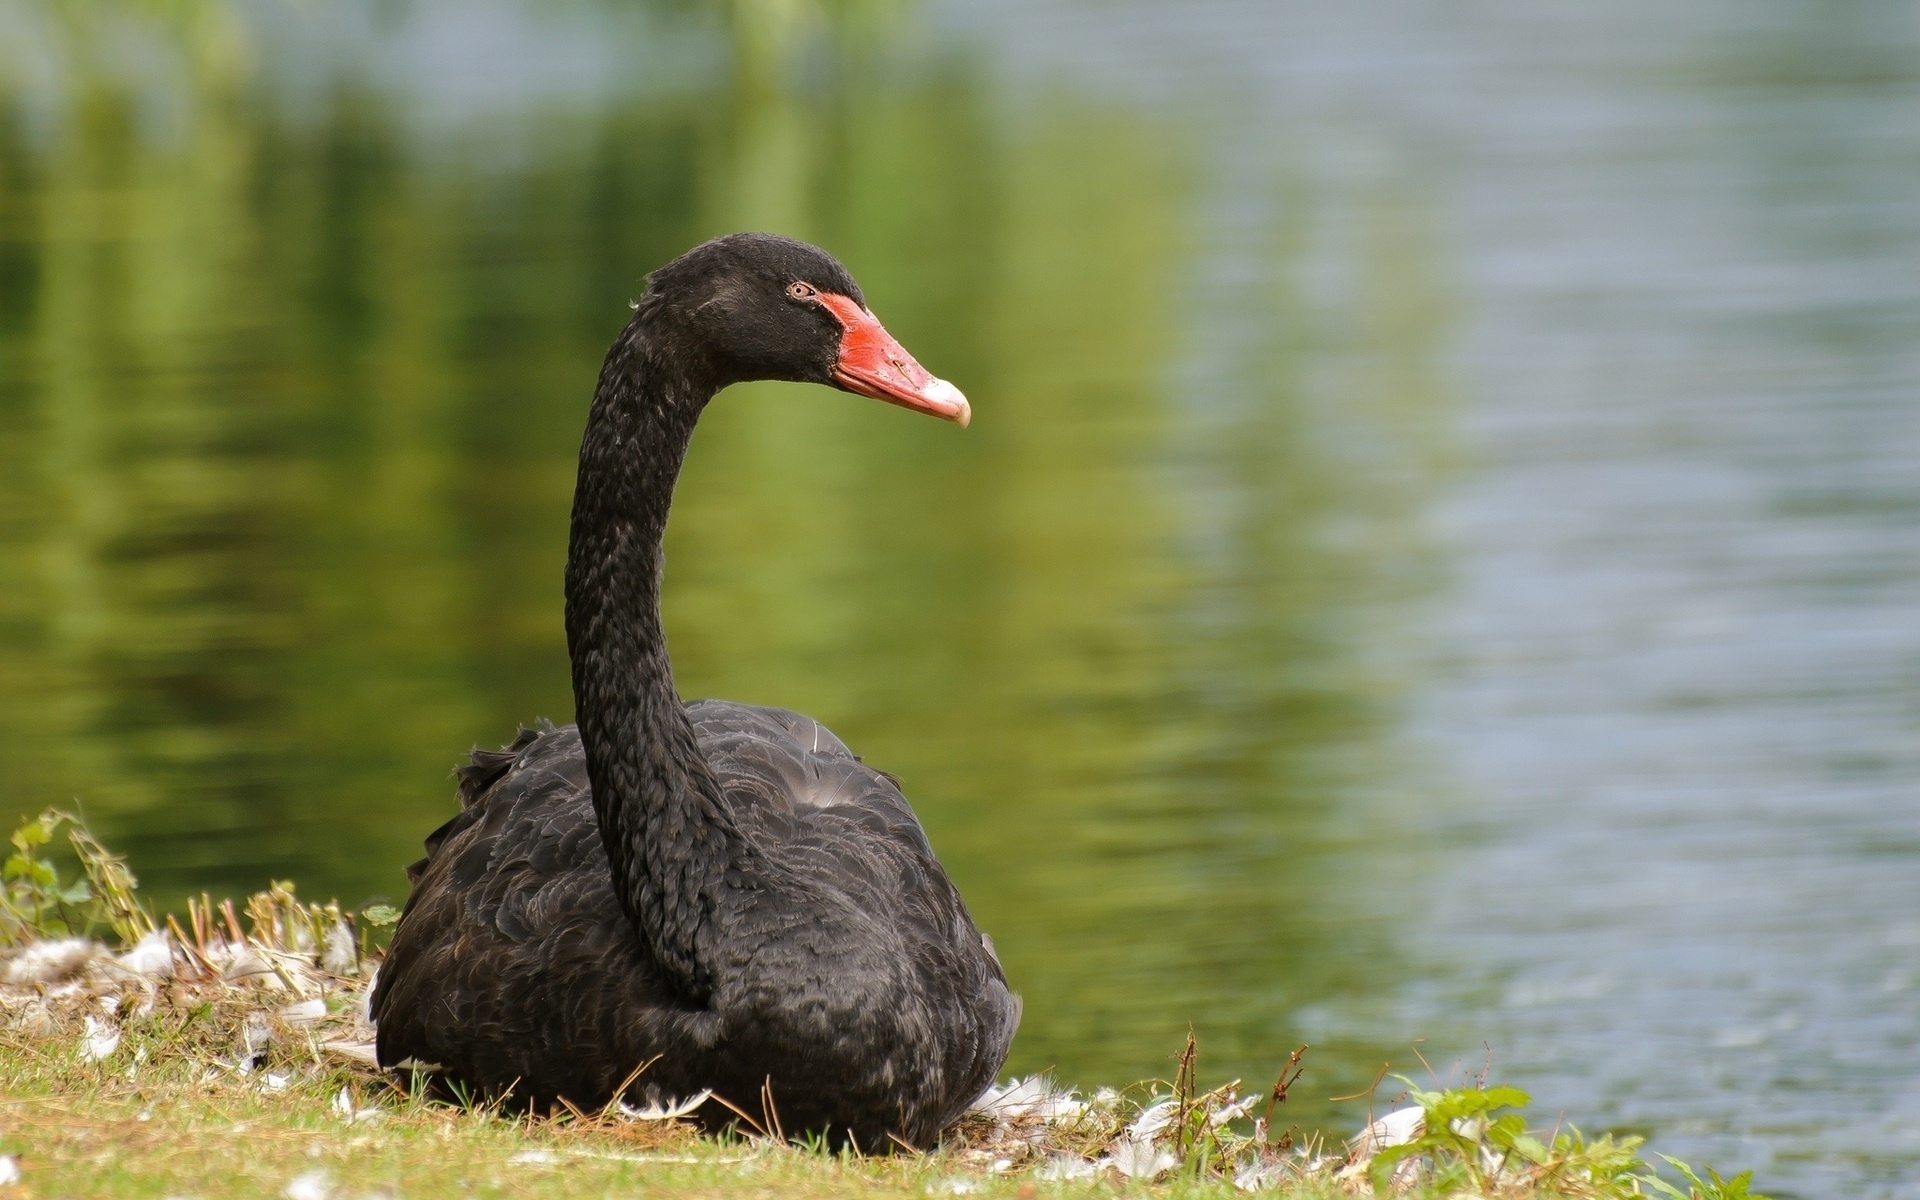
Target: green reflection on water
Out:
[288,410]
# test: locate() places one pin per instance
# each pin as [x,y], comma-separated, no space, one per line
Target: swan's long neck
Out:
[670,837]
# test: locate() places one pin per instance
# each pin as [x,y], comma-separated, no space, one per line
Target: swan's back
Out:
[810,800]
[515,961]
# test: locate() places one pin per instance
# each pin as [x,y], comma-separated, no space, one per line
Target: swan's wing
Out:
[827,815]
[795,783]
[478,775]
[810,801]
[513,951]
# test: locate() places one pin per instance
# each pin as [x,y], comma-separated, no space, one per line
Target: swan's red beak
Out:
[873,364]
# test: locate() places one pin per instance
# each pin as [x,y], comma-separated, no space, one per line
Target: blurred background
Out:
[1437,556]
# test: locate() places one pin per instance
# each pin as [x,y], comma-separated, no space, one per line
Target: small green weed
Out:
[1476,1139]
[36,903]
[1711,1188]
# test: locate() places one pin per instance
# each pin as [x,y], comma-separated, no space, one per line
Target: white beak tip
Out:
[951,399]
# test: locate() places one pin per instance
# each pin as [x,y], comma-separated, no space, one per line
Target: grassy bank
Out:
[226,1053]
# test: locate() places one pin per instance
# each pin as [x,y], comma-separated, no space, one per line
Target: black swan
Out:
[721,892]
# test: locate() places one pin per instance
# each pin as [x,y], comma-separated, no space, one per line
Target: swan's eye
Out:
[800,291]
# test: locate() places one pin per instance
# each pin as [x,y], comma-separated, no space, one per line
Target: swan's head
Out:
[767,307]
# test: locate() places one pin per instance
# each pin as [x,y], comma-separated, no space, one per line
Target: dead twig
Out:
[1289,1075]
[735,1109]
[769,1111]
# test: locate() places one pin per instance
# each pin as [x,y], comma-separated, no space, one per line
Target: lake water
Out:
[1437,558]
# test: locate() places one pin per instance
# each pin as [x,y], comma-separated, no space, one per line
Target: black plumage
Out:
[722,891]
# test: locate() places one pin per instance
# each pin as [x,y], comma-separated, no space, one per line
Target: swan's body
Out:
[721,891]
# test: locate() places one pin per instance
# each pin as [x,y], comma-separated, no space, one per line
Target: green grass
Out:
[160,1118]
